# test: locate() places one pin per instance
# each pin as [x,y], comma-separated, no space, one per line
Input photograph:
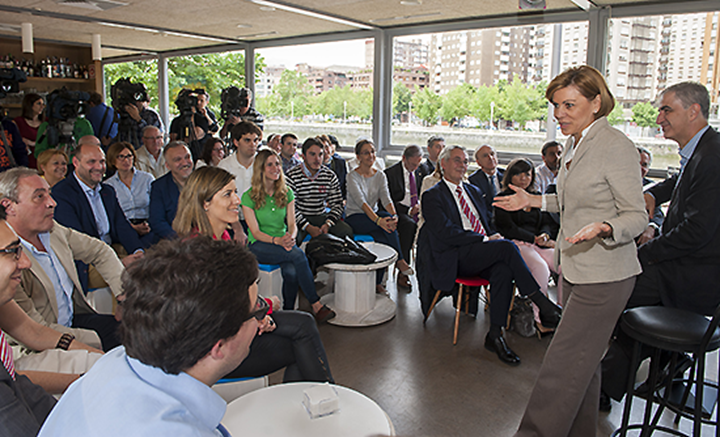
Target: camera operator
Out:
[65,123]
[190,126]
[102,118]
[130,101]
[236,107]
[202,109]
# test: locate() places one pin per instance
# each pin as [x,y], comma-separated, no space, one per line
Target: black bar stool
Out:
[679,332]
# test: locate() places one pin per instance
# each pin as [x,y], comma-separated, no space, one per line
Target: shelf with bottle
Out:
[50,67]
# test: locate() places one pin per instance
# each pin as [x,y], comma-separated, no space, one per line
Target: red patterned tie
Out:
[476,224]
[6,355]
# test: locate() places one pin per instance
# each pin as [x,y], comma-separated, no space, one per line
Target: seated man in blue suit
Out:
[459,240]
[91,207]
[488,177]
[165,191]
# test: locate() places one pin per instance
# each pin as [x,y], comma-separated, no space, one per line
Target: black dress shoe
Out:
[605,404]
[502,350]
[551,319]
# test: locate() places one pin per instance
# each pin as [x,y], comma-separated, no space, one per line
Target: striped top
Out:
[6,355]
[315,194]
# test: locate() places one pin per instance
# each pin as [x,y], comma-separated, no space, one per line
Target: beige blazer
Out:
[36,294]
[602,183]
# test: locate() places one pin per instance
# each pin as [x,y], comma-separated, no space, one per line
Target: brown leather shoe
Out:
[324,314]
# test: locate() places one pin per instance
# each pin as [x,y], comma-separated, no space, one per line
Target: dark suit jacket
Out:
[524,225]
[658,215]
[339,167]
[164,196]
[480,180]
[443,233]
[690,238]
[73,211]
[425,168]
[23,406]
[396,184]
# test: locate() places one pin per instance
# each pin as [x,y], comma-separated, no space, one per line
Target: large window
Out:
[314,89]
[483,86]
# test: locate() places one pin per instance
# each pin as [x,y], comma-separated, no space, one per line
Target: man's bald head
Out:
[89,139]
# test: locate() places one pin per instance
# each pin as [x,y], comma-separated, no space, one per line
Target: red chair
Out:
[463,298]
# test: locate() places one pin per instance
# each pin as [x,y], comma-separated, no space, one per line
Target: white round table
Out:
[354,299]
[277,411]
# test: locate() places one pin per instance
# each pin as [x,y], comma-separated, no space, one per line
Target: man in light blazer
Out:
[455,245]
[681,266]
[50,291]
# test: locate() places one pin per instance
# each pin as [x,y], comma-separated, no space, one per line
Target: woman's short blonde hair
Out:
[44,158]
[590,83]
[201,187]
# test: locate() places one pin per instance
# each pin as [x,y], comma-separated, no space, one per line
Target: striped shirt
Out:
[315,194]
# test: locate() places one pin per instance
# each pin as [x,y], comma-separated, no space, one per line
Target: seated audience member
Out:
[132,188]
[190,315]
[247,113]
[656,221]
[165,191]
[366,186]
[52,165]
[274,143]
[316,191]
[288,152]
[353,162]
[102,118]
[458,239]
[288,339]
[14,153]
[213,152]
[245,136]
[488,177]
[150,157]
[23,405]
[33,107]
[87,205]
[51,291]
[532,230]
[546,173]
[680,265]
[403,184]
[435,145]
[336,162]
[269,208]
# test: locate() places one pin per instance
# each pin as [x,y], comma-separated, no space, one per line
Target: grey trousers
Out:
[564,401]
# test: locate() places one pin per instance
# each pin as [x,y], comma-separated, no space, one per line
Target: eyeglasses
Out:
[124,157]
[16,251]
[261,310]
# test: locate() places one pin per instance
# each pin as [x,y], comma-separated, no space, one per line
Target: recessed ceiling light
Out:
[267,8]
[258,35]
[244,26]
[411,2]
[405,17]
[298,10]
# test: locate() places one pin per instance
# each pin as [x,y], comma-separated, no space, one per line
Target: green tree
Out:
[617,116]
[401,96]
[426,105]
[521,103]
[338,102]
[458,103]
[644,115]
[290,97]
[484,98]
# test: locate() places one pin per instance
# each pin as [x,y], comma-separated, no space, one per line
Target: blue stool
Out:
[363,238]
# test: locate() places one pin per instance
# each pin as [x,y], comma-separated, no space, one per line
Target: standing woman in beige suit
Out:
[601,209]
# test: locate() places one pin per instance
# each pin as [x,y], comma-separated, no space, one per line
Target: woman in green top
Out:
[269,209]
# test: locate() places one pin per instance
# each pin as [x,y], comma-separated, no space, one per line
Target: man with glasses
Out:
[150,157]
[458,240]
[190,315]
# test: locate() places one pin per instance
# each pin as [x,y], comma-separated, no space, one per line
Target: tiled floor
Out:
[429,387]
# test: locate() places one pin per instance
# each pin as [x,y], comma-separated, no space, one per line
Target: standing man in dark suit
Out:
[459,240]
[488,177]
[404,186]
[681,266]
[87,205]
[435,145]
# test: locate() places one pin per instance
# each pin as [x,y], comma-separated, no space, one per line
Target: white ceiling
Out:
[228,21]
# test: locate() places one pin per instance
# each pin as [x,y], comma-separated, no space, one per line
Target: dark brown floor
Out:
[427,386]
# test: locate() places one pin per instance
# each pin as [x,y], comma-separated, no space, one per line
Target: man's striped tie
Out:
[6,355]
[474,221]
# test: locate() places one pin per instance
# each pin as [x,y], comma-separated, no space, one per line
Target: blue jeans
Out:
[361,224]
[294,268]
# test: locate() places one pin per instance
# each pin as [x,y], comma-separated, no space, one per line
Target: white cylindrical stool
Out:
[354,299]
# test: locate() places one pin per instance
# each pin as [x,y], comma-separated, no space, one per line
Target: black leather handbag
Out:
[327,248]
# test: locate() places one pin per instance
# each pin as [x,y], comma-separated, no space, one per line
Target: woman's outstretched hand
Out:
[521,199]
